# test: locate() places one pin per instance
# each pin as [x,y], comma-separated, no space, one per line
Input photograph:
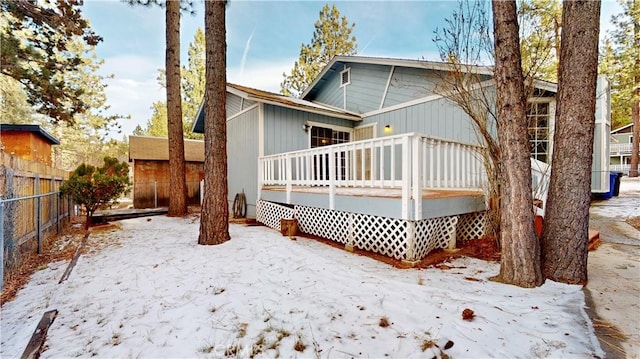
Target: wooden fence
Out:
[31,207]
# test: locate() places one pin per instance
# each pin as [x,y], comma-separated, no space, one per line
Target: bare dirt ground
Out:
[614,272]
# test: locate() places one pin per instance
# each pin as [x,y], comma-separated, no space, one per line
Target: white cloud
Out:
[262,75]
[133,89]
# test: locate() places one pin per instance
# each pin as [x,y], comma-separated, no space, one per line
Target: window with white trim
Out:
[538,115]
[323,136]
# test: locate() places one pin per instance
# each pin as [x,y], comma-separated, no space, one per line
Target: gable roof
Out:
[157,149]
[337,64]
[271,98]
[39,131]
[625,127]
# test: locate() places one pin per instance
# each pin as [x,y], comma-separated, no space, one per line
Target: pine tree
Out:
[520,260]
[177,165]
[192,82]
[14,106]
[332,37]
[541,25]
[35,38]
[214,218]
[566,228]
[85,140]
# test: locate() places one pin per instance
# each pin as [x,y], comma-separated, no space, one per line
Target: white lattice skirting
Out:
[269,213]
[396,238]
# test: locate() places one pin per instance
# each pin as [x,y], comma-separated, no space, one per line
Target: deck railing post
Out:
[432,160]
[406,177]
[260,176]
[332,178]
[416,160]
[381,175]
[287,172]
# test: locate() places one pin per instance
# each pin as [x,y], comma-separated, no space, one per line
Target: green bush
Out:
[97,187]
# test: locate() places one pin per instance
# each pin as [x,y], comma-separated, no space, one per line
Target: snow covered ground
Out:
[626,205]
[148,290]
[614,268]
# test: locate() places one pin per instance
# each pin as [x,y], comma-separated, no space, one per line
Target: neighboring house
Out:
[150,162]
[621,148]
[403,174]
[30,142]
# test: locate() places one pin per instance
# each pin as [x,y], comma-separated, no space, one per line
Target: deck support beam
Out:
[410,255]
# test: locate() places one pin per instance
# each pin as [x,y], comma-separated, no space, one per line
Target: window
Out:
[322,136]
[538,116]
[345,77]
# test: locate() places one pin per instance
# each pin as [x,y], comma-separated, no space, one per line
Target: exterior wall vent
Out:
[345,77]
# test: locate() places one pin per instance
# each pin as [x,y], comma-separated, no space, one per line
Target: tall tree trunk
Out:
[214,220]
[566,230]
[520,263]
[177,177]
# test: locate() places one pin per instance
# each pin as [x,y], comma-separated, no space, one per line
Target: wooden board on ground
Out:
[34,347]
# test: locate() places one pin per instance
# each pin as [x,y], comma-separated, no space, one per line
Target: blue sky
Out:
[263,41]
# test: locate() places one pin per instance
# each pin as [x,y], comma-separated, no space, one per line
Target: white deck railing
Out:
[620,148]
[621,168]
[410,162]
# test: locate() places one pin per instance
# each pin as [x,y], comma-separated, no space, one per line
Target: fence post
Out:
[155,194]
[201,191]
[58,198]
[38,213]
[2,245]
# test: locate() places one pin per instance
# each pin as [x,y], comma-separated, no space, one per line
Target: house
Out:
[150,162]
[621,148]
[30,142]
[374,156]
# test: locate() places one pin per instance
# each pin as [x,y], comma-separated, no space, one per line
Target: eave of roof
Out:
[290,102]
[622,128]
[157,149]
[422,64]
[271,98]
[31,128]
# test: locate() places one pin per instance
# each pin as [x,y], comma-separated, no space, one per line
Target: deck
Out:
[409,176]
[384,202]
[401,196]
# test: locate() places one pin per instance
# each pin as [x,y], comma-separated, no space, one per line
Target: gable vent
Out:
[345,77]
